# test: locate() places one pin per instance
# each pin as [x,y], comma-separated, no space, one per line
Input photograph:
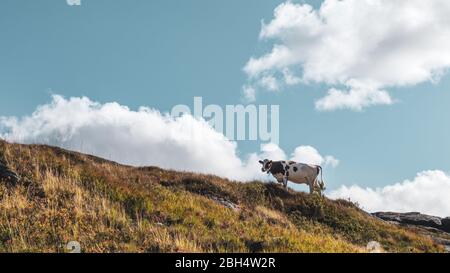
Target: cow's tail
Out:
[319,171]
[321,182]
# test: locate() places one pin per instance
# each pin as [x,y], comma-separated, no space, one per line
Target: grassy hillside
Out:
[64,196]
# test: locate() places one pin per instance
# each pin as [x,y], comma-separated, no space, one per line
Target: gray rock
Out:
[415,218]
[8,176]
[225,202]
[446,224]
[412,218]
[443,242]
[388,216]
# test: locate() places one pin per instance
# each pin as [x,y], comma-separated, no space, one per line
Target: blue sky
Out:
[163,53]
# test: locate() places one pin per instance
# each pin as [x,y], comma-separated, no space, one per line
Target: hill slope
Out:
[61,196]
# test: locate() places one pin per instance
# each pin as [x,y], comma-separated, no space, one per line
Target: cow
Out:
[298,173]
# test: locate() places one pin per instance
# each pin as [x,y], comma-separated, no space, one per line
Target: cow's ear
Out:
[261,162]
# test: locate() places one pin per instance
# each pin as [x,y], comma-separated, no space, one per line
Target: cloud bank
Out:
[358,48]
[148,137]
[142,137]
[427,193]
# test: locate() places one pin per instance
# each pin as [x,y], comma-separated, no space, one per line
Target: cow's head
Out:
[266,164]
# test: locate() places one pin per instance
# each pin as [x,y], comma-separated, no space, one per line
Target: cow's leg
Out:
[318,187]
[311,186]
[285,181]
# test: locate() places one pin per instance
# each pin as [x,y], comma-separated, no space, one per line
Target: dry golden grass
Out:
[65,196]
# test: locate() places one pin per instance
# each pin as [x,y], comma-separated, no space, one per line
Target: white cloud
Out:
[142,137]
[289,78]
[374,44]
[427,193]
[269,82]
[303,154]
[280,57]
[355,99]
[331,160]
[272,151]
[73,2]
[309,155]
[249,93]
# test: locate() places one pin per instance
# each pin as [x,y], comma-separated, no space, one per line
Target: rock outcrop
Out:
[446,224]
[7,176]
[438,229]
[225,202]
[416,219]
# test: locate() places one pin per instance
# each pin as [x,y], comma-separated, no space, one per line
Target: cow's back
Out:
[302,173]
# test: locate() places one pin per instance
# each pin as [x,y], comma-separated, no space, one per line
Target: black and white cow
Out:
[298,173]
